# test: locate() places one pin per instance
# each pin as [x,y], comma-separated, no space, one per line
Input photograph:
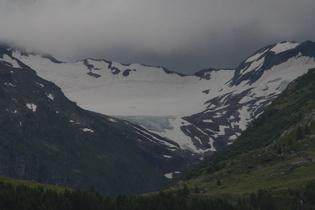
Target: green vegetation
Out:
[289,109]
[36,196]
[276,153]
[20,196]
[32,184]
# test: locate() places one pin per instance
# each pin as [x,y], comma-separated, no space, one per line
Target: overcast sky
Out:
[181,35]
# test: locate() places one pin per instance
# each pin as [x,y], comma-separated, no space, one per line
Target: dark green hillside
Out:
[289,109]
[25,196]
[31,184]
[276,153]
[47,138]
[19,194]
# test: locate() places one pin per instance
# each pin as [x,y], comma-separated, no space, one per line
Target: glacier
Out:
[202,113]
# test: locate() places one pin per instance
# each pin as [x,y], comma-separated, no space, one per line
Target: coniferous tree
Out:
[299,133]
[218,182]
[196,190]
[307,130]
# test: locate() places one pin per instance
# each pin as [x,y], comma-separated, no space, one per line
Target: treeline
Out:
[28,198]
[24,198]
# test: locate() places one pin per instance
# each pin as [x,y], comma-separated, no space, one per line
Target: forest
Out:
[24,197]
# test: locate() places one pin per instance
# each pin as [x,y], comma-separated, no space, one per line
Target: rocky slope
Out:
[47,138]
[275,153]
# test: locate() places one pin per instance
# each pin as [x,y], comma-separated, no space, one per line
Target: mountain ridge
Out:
[140,90]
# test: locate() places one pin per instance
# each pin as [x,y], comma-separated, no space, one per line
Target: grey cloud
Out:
[182,35]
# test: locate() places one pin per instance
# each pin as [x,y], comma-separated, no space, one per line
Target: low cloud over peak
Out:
[182,35]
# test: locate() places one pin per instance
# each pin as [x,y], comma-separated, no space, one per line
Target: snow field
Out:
[158,101]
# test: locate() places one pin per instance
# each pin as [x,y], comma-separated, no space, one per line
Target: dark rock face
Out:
[203,74]
[126,72]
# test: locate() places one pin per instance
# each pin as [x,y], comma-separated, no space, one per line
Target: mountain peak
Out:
[250,70]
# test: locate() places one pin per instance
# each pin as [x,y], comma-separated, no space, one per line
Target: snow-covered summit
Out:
[264,59]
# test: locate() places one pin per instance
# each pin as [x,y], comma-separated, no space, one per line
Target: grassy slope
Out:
[32,184]
[272,154]
[268,168]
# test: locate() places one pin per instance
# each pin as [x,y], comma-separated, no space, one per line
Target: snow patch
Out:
[72,121]
[40,84]
[112,120]
[255,57]
[50,96]
[233,137]
[170,175]
[11,61]
[244,117]
[87,130]
[9,84]
[284,46]
[32,107]
[222,129]
[254,65]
